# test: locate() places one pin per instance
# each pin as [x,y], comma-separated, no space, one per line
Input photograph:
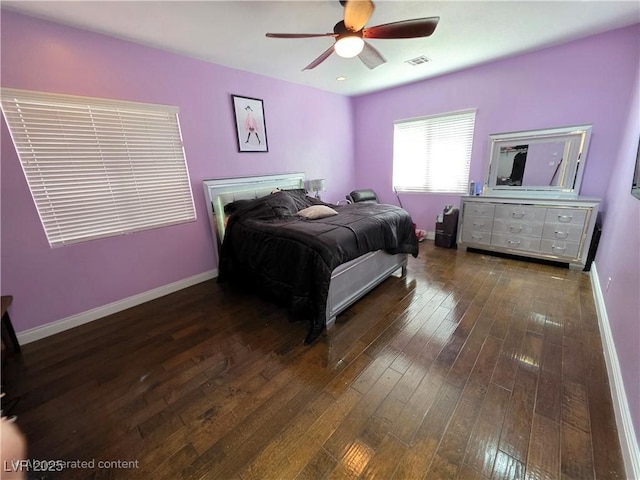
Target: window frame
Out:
[420,149]
[97,167]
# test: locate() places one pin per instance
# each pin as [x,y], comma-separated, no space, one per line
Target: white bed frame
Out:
[349,281]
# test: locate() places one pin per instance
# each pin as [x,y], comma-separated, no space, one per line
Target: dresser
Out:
[553,229]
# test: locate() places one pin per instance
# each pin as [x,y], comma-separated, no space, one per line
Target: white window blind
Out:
[433,154]
[99,168]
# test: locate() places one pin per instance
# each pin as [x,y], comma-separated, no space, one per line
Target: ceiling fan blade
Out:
[357,14]
[300,35]
[418,27]
[371,57]
[320,59]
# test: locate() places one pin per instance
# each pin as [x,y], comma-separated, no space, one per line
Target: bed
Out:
[317,267]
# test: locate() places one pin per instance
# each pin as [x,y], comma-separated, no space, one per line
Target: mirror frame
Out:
[572,168]
[635,184]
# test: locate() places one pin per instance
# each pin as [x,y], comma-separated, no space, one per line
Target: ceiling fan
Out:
[350,34]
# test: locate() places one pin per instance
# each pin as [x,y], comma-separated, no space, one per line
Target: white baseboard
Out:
[626,433]
[61,325]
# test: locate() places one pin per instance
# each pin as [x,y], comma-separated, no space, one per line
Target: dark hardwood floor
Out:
[470,367]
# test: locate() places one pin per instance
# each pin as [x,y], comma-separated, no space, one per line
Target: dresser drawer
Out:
[563,231]
[471,236]
[560,248]
[525,213]
[477,224]
[515,242]
[515,227]
[573,216]
[482,210]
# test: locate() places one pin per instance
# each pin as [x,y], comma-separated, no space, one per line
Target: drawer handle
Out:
[513,242]
[515,214]
[477,210]
[475,224]
[565,218]
[561,235]
[554,248]
[515,228]
[477,237]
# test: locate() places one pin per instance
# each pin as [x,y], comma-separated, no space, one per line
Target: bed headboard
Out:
[221,191]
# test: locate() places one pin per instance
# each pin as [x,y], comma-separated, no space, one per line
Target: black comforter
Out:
[289,258]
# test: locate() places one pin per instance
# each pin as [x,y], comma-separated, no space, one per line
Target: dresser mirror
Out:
[540,163]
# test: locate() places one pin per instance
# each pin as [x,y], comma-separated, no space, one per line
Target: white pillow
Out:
[317,211]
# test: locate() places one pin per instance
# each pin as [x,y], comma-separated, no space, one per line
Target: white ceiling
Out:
[232,33]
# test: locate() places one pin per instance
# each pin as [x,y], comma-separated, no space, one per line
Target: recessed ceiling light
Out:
[341,78]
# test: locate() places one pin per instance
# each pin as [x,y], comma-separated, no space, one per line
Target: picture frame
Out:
[635,184]
[251,127]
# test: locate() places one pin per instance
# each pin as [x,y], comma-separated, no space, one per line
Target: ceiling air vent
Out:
[418,60]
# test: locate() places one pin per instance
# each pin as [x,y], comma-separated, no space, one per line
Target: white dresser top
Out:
[542,201]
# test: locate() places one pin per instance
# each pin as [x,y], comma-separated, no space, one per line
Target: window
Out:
[432,154]
[98,168]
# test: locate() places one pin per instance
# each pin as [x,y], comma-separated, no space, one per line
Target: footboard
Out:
[352,280]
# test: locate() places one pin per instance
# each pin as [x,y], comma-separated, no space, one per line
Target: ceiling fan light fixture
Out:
[349,46]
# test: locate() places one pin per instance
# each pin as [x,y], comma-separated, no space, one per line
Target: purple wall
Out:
[618,258]
[554,87]
[308,130]
[594,80]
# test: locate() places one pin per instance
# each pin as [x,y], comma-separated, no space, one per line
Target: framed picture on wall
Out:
[635,185]
[251,127]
